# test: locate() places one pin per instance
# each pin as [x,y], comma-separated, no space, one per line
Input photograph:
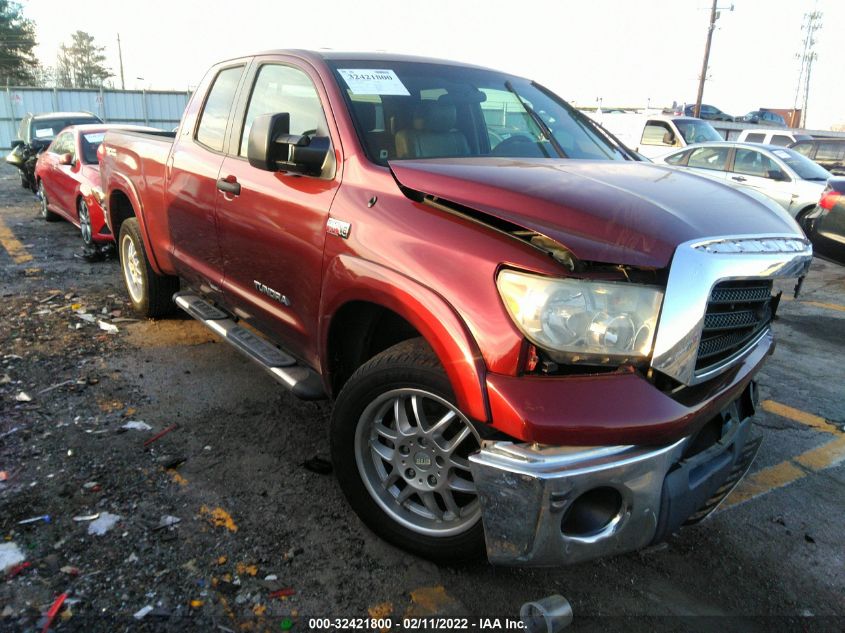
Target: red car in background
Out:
[67,177]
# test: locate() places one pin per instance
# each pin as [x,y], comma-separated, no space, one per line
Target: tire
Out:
[424,474]
[44,211]
[151,294]
[24,182]
[84,216]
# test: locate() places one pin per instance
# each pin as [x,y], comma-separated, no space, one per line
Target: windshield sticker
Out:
[46,132]
[371,81]
[95,138]
[782,154]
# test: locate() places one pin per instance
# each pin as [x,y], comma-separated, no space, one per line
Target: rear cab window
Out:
[211,129]
[755,138]
[780,139]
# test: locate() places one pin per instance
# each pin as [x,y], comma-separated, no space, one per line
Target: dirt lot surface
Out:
[217,525]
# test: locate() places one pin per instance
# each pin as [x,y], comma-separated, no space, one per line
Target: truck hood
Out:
[615,212]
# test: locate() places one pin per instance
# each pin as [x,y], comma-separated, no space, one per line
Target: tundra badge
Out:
[273,294]
[338,227]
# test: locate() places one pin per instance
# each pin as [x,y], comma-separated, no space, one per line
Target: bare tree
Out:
[82,63]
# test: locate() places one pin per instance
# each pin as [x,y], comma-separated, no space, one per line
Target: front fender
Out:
[349,278]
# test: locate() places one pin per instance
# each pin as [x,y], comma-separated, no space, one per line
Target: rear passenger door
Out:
[193,168]
[273,228]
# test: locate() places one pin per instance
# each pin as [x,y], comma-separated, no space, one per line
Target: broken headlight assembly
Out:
[581,321]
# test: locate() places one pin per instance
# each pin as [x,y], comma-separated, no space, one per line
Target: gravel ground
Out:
[258,541]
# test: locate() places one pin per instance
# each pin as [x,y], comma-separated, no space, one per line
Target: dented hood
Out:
[616,212]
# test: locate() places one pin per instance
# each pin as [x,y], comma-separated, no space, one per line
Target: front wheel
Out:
[400,448]
[85,223]
[151,294]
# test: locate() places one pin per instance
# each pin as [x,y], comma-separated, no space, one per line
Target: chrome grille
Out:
[737,312]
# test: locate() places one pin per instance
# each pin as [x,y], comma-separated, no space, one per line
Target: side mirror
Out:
[66,159]
[776,174]
[668,138]
[272,147]
[17,143]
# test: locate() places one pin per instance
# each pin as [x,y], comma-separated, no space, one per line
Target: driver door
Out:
[272,226]
[751,169]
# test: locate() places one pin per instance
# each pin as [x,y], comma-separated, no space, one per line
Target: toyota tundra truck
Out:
[537,345]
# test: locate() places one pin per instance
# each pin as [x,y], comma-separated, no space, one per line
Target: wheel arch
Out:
[400,308]
[124,203]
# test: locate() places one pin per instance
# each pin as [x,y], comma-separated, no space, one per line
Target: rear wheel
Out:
[151,294]
[85,223]
[45,212]
[400,448]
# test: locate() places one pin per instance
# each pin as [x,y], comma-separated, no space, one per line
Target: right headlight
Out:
[583,321]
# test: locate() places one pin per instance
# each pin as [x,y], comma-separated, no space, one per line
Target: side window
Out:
[654,132]
[780,139]
[212,125]
[677,159]
[804,148]
[709,158]
[752,163]
[285,89]
[755,138]
[830,151]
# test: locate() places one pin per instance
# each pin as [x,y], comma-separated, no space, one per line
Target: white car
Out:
[790,179]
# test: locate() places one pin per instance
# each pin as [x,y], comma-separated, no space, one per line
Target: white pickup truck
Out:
[657,135]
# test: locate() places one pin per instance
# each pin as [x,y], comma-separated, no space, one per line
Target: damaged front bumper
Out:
[548,506]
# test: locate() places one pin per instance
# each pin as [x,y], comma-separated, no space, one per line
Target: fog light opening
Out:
[592,512]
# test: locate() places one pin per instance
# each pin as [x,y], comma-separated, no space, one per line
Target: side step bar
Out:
[302,381]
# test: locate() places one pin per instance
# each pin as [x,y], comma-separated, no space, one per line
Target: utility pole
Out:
[714,15]
[120,57]
[812,23]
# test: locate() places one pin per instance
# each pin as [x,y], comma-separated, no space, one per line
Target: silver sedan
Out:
[790,179]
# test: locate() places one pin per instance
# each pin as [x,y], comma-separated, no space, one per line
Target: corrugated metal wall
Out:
[154,108]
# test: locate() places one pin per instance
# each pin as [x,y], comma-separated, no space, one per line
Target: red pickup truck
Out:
[537,344]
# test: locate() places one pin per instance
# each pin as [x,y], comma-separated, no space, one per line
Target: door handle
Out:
[229,184]
[739,178]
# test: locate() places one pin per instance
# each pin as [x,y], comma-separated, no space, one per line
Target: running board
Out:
[302,381]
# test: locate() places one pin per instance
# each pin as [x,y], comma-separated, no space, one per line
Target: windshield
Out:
[801,165]
[697,131]
[407,110]
[46,129]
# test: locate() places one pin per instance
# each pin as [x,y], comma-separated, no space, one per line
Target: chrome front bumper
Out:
[526,492]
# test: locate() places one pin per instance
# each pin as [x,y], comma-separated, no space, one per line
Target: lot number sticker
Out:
[371,81]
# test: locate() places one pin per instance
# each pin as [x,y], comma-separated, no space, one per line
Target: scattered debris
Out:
[809,538]
[158,436]
[318,465]
[136,425]
[11,431]
[550,614]
[56,386]
[103,524]
[271,577]
[10,555]
[23,396]
[286,592]
[87,517]
[43,517]
[5,379]
[108,327]
[141,613]
[196,604]
[167,521]
[54,610]
[16,569]
[88,318]
[218,517]
[70,571]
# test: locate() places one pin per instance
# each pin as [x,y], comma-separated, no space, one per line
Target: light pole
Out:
[714,15]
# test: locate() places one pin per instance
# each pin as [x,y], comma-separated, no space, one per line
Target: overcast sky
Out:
[626,51]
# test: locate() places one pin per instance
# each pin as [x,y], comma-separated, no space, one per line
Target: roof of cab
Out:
[331,55]
[63,115]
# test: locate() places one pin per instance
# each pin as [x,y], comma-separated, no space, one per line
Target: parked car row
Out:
[755,117]
[35,133]
[57,156]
